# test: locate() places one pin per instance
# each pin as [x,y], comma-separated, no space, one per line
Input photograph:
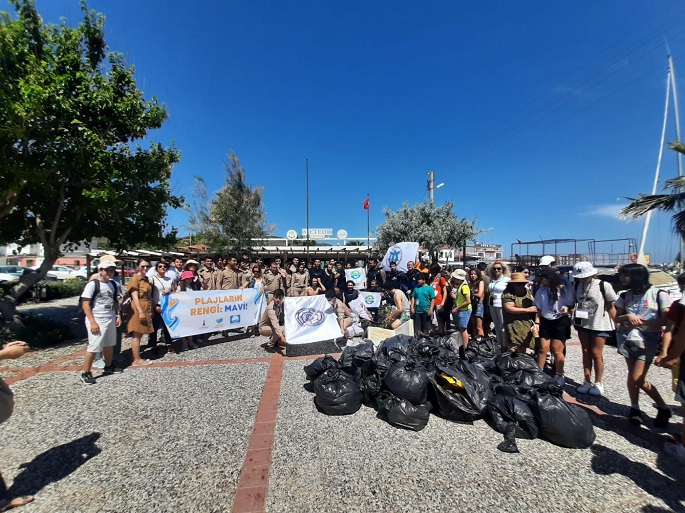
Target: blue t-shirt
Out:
[422,298]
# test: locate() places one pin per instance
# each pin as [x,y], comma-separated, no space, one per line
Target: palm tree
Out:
[672,200]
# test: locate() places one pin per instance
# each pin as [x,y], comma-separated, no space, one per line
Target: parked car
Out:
[63,272]
[7,277]
[16,270]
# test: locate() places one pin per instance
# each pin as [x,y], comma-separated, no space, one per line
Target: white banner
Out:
[358,276]
[310,319]
[370,299]
[401,253]
[206,311]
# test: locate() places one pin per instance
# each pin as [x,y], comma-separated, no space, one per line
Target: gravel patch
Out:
[360,463]
[44,356]
[148,440]
[7,374]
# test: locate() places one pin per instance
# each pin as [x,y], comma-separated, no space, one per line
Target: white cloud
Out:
[611,211]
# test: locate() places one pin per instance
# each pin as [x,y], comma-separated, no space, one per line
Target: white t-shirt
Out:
[552,310]
[160,285]
[496,289]
[645,306]
[590,299]
[103,306]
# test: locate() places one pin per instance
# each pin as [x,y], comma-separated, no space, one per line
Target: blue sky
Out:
[539,117]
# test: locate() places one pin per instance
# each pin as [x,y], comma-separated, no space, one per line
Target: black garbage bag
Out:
[386,358]
[485,348]
[357,355]
[408,380]
[319,366]
[487,364]
[397,342]
[512,417]
[460,405]
[337,393]
[371,381]
[510,361]
[426,351]
[402,413]
[453,341]
[528,377]
[559,422]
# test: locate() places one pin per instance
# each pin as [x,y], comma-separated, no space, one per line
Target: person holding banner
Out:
[273,322]
[402,307]
[342,312]
[228,279]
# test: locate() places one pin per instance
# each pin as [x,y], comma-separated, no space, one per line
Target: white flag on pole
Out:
[310,319]
[358,276]
[400,253]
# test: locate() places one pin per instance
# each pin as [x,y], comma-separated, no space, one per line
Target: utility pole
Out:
[432,186]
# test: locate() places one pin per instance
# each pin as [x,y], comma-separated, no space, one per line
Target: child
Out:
[422,305]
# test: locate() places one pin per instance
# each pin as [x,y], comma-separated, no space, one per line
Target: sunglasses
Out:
[144,266]
[496,268]
[162,267]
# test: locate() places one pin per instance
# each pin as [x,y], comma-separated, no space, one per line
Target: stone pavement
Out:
[229,427]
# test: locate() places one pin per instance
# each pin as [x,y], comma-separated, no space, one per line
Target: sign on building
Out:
[318,233]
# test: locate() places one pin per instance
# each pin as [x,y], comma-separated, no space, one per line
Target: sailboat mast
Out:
[680,157]
[641,253]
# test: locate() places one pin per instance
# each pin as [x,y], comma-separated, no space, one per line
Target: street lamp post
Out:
[432,186]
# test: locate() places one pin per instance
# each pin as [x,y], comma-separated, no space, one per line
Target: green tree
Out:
[234,216]
[431,226]
[672,201]
[70,165]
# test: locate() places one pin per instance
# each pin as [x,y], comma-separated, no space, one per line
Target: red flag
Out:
[366,204]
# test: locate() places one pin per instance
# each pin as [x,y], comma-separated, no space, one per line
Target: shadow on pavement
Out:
[669,487]
[54,465]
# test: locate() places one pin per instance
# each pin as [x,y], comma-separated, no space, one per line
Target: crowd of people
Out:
[521,313]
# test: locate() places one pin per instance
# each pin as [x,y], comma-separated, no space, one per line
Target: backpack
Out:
[91,301]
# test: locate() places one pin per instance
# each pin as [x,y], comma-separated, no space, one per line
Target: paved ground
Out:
[231,427]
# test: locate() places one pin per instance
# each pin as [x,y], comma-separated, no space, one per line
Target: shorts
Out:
[644,349]
[461,319]
[594,333]
[107,336]
[444,314]
[422,322]
[480,310]
[557,329]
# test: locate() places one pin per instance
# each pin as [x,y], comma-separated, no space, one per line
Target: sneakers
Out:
[87,378]
[585,387]
[99,364]
[675,450]
[560,379]
[597,389]
[662,416]
[111,369]
[635,417]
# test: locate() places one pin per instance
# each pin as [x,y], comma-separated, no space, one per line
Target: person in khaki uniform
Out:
[228,279]
[299,281]
[274,279]
[272,323]
[341,310]
[208,275]
[244,273]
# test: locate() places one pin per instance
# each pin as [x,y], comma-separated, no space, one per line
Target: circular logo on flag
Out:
[309,317]
[394,255]
[369,299]
[355,275]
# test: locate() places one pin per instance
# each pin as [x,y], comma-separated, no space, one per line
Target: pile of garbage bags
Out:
[407,378]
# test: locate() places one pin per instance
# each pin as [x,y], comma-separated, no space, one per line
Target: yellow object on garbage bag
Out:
[450,383]
[675,371]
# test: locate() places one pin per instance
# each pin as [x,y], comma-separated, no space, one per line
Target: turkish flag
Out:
[366,204]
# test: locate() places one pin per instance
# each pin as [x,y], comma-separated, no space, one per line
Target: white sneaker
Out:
[560,379]
[585,387]
[99,364]
[597,389]
[675,450]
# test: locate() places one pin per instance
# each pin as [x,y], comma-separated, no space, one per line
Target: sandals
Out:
[17,502]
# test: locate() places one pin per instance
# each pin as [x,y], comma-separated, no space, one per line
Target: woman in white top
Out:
[257,282]
[593,322]
[162,285]
[499,276]
[554,301]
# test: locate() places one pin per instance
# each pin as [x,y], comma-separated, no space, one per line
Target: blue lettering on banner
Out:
[234,319]
[235,307]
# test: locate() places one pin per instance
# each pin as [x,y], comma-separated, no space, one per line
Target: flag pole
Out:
[368,227]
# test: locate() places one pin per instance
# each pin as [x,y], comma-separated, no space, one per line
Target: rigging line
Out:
[500,153]
[594,78]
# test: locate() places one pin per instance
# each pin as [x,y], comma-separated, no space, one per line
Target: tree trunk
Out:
[8,304]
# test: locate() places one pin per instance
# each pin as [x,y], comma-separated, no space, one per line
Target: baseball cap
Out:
[547,260]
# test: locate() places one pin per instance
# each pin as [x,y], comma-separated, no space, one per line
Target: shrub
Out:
[38,331]
[52,289]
